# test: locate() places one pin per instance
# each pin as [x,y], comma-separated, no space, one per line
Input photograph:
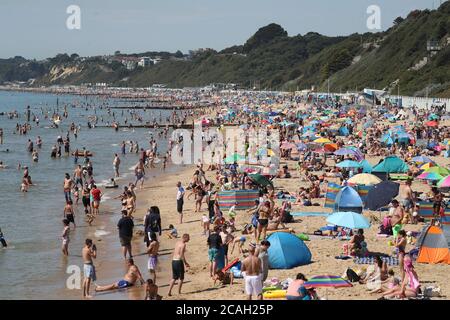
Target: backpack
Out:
[352,276]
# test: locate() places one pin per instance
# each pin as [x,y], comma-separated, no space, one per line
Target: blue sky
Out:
[37,29]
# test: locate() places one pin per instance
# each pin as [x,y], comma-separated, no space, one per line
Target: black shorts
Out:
[263,222]
[180,203]
[177,269]
[86,201]
[70,217]
[125,241]
[437,206]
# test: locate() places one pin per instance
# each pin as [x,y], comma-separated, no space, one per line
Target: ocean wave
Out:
[100,233]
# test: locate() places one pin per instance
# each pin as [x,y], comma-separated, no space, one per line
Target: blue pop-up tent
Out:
[348,199]
[343,131]
[367,168]
[287,251]
[391,164]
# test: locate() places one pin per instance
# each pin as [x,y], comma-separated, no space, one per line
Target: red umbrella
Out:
[431,124]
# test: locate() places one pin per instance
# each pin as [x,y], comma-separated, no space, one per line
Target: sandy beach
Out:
[198,285]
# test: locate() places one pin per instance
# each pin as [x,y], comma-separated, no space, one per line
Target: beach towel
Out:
[309,214]
[330,196]
[390,261]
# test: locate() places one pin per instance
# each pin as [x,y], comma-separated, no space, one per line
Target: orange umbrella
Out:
[330,147]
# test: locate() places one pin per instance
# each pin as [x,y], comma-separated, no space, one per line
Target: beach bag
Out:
[352,276]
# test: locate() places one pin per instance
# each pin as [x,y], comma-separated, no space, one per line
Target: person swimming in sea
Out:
[2,239]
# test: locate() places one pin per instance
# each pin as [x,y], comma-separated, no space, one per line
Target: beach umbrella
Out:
[433,176]
[260,179]
[365,179]
[344,152]
[349,219]
[322,140]
[301,146]
[381,194]
[427,166]
[349,164]
[422,159]
[431,123]
[367,168]
[330,147]
[439,170]
[444,182]
[327,281]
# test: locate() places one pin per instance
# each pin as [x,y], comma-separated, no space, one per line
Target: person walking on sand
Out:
[125,226]
[263,221]
[152,251]
[116,165]
[178,263]
[251,268]
[88,253]
[214,243]
[180,200]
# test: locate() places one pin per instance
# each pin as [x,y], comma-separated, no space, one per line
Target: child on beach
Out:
[224,277]
[151,291]
[173,233]
[205,224]
[76,194]
[240,241]
[24,185]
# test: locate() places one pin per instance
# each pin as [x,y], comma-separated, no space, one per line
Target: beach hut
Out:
[348,199]
[433,246]
[287,251]
[391,164]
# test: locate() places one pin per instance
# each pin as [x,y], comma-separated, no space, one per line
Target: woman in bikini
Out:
[68,213]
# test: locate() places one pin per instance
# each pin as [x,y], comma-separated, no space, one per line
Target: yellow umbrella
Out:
[322,140]
[427,166]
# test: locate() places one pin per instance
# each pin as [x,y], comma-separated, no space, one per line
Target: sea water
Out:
[32,266]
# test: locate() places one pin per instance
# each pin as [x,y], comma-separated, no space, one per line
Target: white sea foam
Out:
[100,233]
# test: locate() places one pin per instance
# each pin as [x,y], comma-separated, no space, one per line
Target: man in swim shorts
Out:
[178,263]
[251,268]
[133,274]
[89,253]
